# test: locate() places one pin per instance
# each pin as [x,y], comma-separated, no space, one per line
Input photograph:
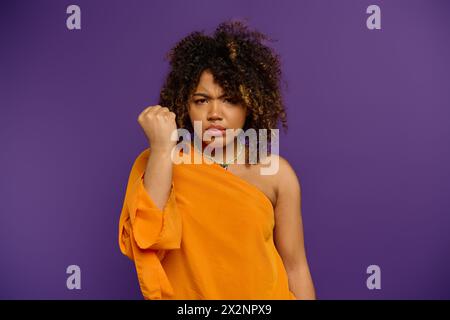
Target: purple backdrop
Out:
[369,137]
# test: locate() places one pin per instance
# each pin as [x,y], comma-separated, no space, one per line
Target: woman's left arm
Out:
[288,232]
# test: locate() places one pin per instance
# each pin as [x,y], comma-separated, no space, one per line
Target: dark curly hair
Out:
[245,68]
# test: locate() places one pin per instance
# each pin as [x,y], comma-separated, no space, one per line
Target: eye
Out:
[200,101]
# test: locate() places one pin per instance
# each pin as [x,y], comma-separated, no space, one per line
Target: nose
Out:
[215,111]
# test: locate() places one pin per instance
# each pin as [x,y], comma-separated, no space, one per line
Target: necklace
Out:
[223,164]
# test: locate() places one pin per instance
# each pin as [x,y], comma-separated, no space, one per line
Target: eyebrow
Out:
[207,96]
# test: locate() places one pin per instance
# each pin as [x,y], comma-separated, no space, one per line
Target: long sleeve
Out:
[146,232]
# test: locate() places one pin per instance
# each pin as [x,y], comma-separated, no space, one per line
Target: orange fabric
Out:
[213,239]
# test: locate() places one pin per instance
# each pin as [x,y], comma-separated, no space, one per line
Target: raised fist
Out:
[158,124]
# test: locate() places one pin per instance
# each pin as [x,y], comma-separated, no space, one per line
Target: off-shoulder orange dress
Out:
[213,239]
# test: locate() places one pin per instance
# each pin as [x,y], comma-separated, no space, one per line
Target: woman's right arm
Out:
[158,177]
[158,124]
[150,222]
[150,216]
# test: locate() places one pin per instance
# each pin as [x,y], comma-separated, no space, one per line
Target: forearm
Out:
[301,284]
[158,177]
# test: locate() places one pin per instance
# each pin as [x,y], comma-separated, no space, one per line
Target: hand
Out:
[158,124]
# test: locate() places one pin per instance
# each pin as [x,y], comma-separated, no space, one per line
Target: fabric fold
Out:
[146,231]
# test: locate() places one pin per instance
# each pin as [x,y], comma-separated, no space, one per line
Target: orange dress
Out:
[213,239]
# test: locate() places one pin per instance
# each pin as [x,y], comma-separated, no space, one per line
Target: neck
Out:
[238,152]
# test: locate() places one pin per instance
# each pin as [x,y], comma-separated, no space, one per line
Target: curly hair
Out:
[240,62]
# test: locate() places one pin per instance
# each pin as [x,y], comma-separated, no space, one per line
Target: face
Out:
[210,105]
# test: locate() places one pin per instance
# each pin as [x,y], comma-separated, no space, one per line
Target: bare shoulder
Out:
[282,167]
[286,181]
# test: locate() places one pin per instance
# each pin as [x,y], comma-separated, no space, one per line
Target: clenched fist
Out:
[158,124]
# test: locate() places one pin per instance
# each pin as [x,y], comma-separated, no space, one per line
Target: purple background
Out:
[369,137]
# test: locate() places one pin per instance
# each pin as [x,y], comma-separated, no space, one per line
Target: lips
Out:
[215,126]
[216,130]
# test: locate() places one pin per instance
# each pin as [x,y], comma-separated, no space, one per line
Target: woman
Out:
[219,229]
